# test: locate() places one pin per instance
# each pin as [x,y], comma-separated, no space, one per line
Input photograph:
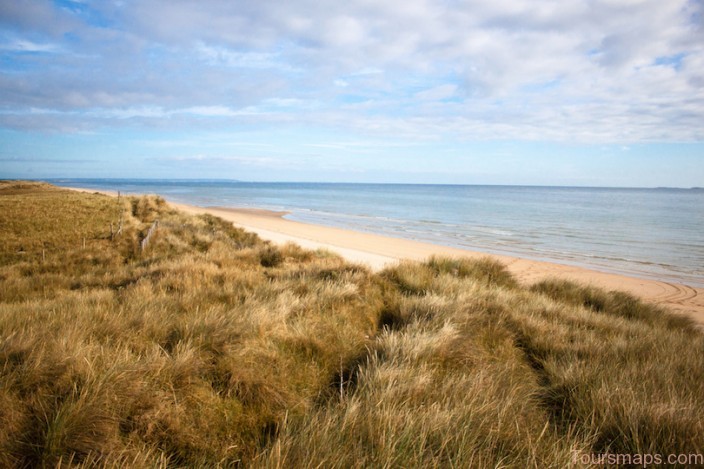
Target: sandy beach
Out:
[377,251]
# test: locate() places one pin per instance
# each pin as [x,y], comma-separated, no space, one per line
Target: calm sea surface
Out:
[651,233]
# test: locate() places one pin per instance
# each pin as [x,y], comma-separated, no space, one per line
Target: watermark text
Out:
[644,460]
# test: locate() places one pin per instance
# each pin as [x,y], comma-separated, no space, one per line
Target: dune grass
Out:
[213,348]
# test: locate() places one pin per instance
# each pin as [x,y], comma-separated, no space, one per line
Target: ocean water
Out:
[649,233]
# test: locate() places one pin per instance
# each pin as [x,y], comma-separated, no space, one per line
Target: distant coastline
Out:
[151,181]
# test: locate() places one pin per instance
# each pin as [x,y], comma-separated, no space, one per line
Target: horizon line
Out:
[147,179]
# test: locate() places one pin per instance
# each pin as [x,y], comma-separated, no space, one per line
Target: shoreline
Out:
[573,261]
[378,251]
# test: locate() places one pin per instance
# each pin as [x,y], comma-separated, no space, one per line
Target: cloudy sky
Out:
[556,92]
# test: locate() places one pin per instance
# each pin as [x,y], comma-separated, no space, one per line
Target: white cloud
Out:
[207,111]
[129,113]
[367,71]
[225,161]
[216,55]
[436,93]
[21,45]
[582,70]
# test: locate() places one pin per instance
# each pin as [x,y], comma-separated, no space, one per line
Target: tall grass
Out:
[473,371]
[214,348]
[189,353]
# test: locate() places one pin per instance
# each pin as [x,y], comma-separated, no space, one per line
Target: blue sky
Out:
[581,92]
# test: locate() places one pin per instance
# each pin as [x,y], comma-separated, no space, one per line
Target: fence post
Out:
[152,230]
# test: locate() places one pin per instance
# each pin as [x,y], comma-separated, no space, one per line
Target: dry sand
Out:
[378,251]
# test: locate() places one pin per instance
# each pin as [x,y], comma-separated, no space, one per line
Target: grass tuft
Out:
[614,303]
[485,270]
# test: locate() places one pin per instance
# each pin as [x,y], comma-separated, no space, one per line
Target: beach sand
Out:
[378,251]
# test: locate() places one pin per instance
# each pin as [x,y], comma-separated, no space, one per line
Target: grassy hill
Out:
[211,347]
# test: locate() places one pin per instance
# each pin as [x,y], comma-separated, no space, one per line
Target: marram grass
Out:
[212,348]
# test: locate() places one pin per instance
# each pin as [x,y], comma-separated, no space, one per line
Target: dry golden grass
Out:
[213,348]
[190,353]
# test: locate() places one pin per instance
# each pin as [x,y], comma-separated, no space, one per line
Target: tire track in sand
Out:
[680,295]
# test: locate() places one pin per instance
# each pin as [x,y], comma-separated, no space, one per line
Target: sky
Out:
[534,92]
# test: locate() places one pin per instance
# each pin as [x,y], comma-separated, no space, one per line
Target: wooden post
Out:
[152,230]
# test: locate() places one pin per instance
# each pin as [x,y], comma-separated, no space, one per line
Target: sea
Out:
[655,233]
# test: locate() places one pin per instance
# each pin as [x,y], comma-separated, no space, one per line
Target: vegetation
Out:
[211,347]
